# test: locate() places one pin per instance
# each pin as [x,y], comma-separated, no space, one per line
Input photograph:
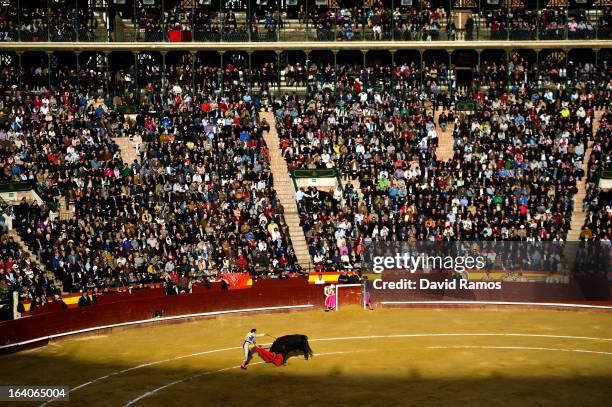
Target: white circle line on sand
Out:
[520,348]
[195,376]
[416,335]
[590,338]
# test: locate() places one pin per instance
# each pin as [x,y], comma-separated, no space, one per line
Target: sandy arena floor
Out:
[416,357]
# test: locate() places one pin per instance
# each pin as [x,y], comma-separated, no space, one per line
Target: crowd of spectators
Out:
[517,158]
[597,203]
[199,201]
[62,22]
[405,77]
[19,272]
[546,24]
[34,24]
[344,22]
[8,26]
[185,73]
[380,23]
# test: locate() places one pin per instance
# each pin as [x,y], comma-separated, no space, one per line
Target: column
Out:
[392,20]
[194,55]
[450,63]
[77,28]
[278,23]
[248,21]
[136,87]
[477,20]
[164,74]
[596,51]
[135,20]
[78,69]
[108,23]
[307,52]
[565,30]
[222,76]
[537,66]
[538,20]
[392,68]
[507,70]
[250,78]
[221,20]
[163,18]
[106,56]
[421,51]
[335,70]
[18,20]
[365,69]
[19,54]
[193,20]
[307,16]
[48,22]
[363,23]
[596,22]
[278,71]
[49,55]
[508,22]
[479,81]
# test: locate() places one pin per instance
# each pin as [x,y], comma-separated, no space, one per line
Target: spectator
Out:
[84,300]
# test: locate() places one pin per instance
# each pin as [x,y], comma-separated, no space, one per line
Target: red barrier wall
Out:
[142,305]
[127,308]
[134,295]
[281,282]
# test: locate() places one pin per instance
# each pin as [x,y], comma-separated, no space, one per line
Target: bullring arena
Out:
[500,355]
[419,191]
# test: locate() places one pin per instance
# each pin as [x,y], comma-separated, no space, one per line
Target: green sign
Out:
[318,173]
[465,106]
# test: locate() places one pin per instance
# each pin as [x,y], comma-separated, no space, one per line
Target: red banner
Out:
[237,280]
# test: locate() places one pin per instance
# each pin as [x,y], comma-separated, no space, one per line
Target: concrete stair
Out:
[129,153]
[285,193]
[65,213]
[33,257]
[445,139]
[579,215]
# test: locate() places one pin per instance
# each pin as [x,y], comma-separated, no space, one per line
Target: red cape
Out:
[268,356]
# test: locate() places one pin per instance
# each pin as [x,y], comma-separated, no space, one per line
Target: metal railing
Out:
[593,24]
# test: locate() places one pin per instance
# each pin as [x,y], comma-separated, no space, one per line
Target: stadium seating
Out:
[239,21]
[151,166]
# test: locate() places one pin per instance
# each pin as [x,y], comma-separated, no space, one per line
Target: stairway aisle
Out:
[33,257]
[128,151]
[579,215]
[284,190]
[445,139]
[65,213]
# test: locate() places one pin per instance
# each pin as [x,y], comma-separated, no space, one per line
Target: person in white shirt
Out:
[247,344]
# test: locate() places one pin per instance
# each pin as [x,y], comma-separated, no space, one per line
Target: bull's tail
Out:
[308,349]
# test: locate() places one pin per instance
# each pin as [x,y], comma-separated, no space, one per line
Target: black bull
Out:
[288,344]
